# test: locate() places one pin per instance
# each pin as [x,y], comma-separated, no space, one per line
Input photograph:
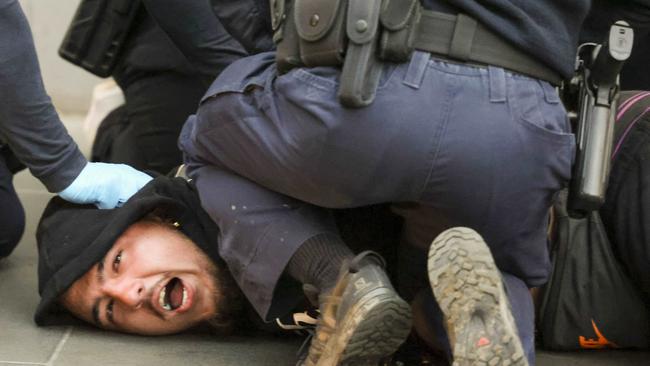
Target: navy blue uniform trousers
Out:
[478,146]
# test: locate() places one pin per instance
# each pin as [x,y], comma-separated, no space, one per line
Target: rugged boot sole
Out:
[468,287]
[371,330]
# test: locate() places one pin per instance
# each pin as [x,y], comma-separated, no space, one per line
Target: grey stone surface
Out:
[593,357]
[20,339]
[89,346]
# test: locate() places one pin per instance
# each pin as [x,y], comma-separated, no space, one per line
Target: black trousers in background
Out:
[12,215]
[144,131]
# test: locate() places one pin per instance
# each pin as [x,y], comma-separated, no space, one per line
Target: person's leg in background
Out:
[156,107]
[12,215]
[162,82]
[109,128]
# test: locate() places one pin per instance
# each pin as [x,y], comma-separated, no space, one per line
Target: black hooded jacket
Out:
[72,238]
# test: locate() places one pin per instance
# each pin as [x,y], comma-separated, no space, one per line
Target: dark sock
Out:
[317,262]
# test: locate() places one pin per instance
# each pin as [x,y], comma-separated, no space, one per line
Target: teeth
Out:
[161,299]
[184,296]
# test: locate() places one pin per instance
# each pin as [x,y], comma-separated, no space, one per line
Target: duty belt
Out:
[462,38]
[360,35]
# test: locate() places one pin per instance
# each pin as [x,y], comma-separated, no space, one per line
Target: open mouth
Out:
[174,295]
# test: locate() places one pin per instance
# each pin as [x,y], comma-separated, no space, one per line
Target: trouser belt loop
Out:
[497,78]
[550,93]
[463,38]
[417,67]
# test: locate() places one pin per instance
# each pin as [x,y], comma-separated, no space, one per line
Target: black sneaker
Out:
[362,320]
[470,292]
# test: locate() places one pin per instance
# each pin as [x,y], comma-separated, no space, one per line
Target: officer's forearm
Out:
[28,121]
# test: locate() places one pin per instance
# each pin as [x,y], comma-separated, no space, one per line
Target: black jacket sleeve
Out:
[247,20]
[197,32]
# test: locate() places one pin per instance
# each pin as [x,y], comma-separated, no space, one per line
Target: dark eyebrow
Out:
[100,271]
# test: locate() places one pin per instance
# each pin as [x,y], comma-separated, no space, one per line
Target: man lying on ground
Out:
[151,267]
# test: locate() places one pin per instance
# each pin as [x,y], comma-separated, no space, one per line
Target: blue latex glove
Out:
[105,185]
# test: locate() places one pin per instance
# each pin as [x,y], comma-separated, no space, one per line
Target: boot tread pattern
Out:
[468,288]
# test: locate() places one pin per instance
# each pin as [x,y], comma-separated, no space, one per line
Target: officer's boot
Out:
[362,319]
[469,289]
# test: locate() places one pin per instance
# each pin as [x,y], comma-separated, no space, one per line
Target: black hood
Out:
[72,238]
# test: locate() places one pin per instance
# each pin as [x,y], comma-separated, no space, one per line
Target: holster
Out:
[97,34]
[399,20]
[287,54]
[345,33]
[321,31]
[308,33]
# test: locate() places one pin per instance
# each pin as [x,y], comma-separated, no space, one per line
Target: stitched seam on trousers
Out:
[439,133]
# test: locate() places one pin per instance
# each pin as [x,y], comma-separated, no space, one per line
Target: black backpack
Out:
[597,294]
[589,301]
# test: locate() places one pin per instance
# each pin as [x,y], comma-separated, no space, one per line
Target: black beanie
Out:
[72,238]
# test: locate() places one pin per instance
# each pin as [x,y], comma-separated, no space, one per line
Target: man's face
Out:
[154,280]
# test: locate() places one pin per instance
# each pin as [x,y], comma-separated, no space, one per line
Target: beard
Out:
[230,303]
[229,300]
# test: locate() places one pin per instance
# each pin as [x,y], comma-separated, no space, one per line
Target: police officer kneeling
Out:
[451,108]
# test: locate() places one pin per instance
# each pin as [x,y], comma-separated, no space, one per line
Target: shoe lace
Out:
[301,321]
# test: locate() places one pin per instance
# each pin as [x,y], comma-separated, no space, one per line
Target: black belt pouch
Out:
[97,34]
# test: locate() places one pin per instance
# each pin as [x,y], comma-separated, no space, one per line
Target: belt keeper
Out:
[461,42]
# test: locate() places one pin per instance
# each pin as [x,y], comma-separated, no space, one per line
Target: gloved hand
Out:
[105,185]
